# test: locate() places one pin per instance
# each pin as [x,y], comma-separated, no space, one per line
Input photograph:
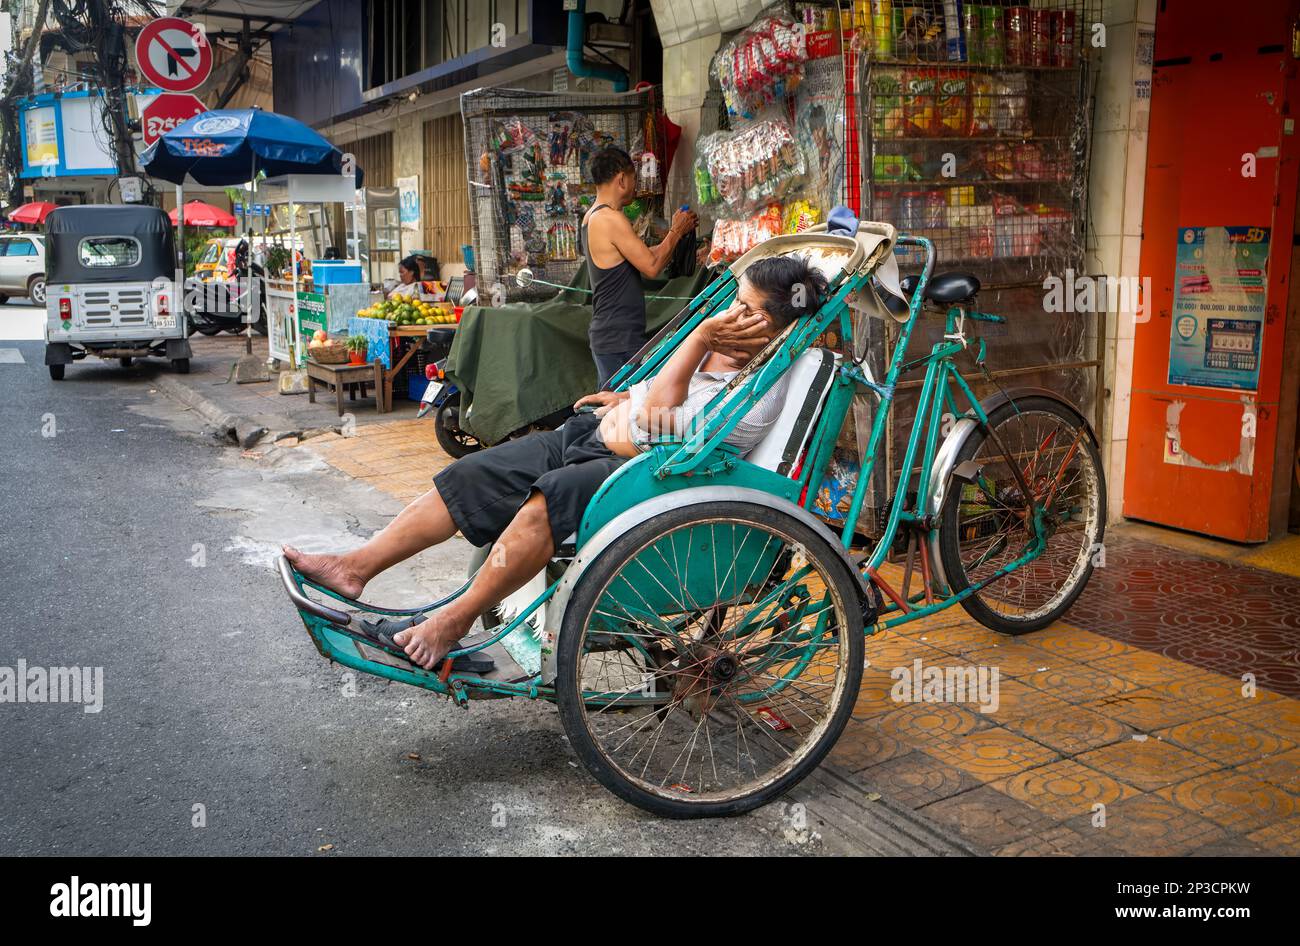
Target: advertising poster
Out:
[1220,284]
[311,314]
[408,189]
[42,137]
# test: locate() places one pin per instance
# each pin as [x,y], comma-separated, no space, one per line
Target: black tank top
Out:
[617,302]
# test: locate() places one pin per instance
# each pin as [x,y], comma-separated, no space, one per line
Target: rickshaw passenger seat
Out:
[811,376]
[810,383]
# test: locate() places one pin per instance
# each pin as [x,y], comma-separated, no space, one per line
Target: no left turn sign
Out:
[173,54]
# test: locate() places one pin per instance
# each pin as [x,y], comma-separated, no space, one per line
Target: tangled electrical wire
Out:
[96,26]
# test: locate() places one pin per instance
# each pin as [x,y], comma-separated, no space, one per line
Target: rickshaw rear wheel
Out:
[985,525]
[727,703]
[56,372]
[181,365]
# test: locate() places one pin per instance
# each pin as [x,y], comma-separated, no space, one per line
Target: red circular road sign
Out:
[166,112]
[173,54]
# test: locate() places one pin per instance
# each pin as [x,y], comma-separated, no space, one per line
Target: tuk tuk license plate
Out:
[164,321]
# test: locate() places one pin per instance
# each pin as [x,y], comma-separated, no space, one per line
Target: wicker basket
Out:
[333,352]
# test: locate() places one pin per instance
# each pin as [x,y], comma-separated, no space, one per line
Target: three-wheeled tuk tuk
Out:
[110,287]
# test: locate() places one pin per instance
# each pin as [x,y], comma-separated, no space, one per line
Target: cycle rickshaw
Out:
[703,637]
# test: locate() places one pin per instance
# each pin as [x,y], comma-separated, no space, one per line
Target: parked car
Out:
[22,267]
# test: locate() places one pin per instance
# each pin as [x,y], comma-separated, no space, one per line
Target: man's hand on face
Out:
[737,333]
[601,400]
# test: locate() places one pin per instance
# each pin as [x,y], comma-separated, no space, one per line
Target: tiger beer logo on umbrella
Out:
[202,147]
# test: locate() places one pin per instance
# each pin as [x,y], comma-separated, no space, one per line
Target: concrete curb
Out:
[226,423]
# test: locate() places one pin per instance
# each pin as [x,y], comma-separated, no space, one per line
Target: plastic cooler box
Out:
[328,272]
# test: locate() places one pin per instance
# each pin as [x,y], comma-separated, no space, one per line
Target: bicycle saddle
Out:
[945,288]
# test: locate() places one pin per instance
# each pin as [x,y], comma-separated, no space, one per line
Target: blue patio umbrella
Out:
[229,146]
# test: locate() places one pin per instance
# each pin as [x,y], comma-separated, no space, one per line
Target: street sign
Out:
[173,54]
[166,112]
[130,189]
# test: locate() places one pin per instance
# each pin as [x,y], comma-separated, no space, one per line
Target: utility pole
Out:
[18,82]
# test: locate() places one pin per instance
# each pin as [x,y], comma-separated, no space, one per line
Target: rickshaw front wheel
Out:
[709,658]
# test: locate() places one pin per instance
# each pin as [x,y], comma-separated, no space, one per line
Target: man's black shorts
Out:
[484,490]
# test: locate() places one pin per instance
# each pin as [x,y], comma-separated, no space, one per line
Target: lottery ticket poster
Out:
[1220,289]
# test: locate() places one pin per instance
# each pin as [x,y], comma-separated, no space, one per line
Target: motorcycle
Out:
[442,399]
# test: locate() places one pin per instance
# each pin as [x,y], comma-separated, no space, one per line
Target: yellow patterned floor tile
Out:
[1071,729]
[1224,740]
[1233,800]
[1149,709]
[1147,764]
[1016,660]
[1078,683]
[1150,826]
[1016,700]
[1076,645]
[1144,668]
[991,753]
[1277,716]
[1064,789]
[1282,770]
[1282,836]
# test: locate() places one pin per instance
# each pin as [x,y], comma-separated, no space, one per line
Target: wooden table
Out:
[350,376]
[406,331]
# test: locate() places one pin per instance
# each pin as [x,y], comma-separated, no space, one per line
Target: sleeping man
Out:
[527,496]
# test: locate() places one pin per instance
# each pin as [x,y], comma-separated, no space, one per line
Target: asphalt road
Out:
[136,544]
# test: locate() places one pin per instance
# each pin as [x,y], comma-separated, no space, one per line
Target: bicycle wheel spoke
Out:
[714,659]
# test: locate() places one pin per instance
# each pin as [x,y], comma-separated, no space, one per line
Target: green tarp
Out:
[519,362]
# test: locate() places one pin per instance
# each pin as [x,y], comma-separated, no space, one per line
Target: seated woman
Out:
[528,495]
[408,279]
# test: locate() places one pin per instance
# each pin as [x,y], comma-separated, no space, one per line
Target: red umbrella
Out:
[31,213]
[199,214]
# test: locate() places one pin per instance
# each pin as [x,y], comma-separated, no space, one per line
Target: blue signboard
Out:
[63,135]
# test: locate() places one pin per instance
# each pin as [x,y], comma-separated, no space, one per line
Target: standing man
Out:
[616,259]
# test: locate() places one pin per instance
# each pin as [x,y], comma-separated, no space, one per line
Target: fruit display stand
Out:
[394,329]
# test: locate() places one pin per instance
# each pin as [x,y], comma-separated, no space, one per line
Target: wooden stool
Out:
[350,376]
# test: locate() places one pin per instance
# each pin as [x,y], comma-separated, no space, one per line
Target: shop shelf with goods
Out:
[529,157]
[976,134]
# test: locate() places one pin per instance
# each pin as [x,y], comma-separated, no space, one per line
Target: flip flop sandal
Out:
[381,630]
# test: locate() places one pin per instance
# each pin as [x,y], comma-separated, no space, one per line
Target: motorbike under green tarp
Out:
[519,362]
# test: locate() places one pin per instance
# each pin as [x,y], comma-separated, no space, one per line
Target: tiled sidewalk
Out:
[1136,704]
[398,457]
[1180,759]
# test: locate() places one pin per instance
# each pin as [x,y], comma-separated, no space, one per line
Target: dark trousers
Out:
[484,490]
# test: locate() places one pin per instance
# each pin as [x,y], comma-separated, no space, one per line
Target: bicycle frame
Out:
[704,450]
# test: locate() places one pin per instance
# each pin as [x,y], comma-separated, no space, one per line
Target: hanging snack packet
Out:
[887,104]
[920,103]
[953,105]
[981,103]
[1011,106]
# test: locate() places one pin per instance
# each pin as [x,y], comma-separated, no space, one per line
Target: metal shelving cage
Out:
[975,132]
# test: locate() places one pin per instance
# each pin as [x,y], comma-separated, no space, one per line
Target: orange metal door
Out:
[1202,431]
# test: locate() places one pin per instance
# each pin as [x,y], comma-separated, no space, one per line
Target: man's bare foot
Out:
[330,571]
[427,643]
